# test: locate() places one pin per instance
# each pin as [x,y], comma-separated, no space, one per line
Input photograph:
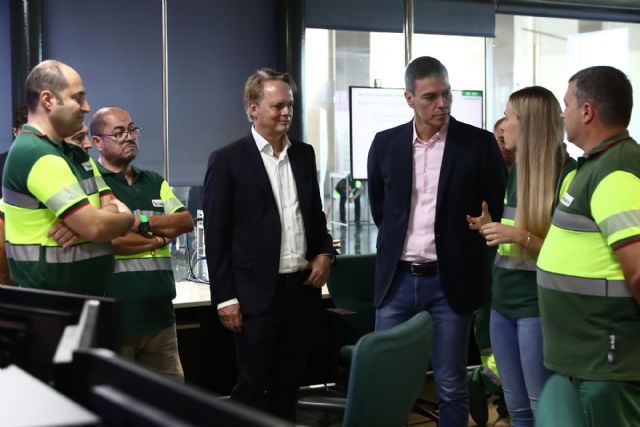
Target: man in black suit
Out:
[267,245]
[424,178]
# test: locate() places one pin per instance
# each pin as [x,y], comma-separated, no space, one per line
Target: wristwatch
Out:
[143,227]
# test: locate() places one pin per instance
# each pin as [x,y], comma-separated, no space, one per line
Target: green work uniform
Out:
[43,183]
[514,290]
[144,282]
[590,319]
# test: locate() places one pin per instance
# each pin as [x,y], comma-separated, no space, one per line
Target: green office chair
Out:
[559,404]
[386,376]
[351,288]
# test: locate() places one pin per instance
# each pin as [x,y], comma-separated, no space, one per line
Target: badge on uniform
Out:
[157,203]
[87,166]
[566,199]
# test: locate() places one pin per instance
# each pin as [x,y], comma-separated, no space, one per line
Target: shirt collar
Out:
[441,135]
[27,128]
[264,146]
[106,171]
[608,143]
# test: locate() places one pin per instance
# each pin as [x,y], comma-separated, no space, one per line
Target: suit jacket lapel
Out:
[297,169]
[255,163]
[405,170]
[448,159]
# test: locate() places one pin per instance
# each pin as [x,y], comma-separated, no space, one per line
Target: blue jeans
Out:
[411,294]
[517,347]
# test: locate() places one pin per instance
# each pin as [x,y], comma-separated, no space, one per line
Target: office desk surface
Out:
[193,294]
[26,401]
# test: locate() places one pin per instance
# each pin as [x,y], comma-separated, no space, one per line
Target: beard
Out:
[66,126]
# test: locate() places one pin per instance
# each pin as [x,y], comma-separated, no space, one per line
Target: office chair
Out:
[351,288]
[386,376]
[350,285]
[559,404]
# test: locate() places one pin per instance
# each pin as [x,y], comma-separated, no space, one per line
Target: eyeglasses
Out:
[122,135]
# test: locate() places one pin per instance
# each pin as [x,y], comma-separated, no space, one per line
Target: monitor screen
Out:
[123,393]
[33,321]
[374,109]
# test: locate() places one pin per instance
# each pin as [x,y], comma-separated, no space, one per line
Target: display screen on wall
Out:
[374,109]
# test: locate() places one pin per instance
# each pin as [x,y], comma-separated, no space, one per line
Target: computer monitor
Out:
[123,393]
[33,322]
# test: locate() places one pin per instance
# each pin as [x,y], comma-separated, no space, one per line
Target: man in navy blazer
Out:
[424,178]
[267,246]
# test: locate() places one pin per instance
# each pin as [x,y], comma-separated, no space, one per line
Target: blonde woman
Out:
[533,128]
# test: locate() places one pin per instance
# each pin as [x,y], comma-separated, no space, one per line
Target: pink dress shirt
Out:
[420,241]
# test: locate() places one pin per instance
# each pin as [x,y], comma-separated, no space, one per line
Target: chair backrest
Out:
[387,374]
[351,287]
[559,404]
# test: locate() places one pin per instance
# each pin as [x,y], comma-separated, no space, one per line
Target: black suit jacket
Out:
[242,224]
[472,171]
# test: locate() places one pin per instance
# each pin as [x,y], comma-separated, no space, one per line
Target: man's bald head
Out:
[48,75]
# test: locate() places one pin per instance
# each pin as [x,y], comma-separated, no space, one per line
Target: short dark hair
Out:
[419,68]
[253,88]
[47,75]
[608,90]
[20,117]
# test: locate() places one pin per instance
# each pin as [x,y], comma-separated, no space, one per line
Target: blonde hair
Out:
[539,156]
[254,87]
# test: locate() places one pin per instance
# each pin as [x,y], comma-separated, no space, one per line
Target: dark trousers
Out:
[343,207]
[272,350]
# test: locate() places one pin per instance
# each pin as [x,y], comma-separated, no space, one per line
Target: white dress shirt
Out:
[293,243]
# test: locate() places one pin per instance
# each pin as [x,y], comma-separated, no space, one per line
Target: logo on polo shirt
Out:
[567,199]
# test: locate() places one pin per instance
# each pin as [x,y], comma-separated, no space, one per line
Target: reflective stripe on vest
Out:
[620,221]
[583,285]
[58,254]
[509,213]
[573,222]
[89,186]
[142,264]
[514,263]
[18,199]
[67,195]
[148,213]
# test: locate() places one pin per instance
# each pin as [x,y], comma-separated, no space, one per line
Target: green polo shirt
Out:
[144,281]
[514,290]
[45,182]
[590,319]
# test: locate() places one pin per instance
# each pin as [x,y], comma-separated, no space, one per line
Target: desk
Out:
[25,401]
[191,294]
[194,294]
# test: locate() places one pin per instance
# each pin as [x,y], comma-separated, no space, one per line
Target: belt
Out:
[419,268]
[296,278]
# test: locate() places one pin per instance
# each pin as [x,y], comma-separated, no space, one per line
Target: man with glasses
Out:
[60,216]
[143,279]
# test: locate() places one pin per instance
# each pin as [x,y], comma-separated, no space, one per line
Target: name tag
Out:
[87,166]
[566,199]
[157,203]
